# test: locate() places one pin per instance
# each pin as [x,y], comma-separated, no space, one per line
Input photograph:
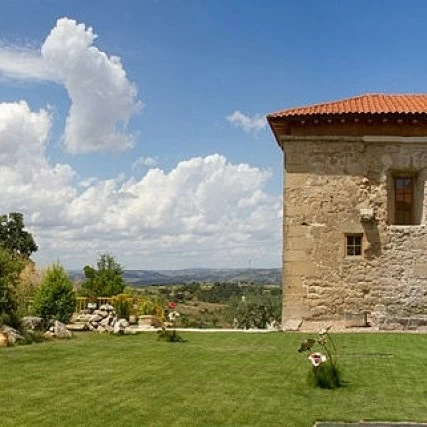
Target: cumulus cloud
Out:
[205,211]
[247,123]
[29,182]
[102,98]
[141,162]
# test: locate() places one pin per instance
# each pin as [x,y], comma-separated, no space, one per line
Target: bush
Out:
[169,335]
[326,375]
[55,298]
[10,268]
[123,305]
[255,311]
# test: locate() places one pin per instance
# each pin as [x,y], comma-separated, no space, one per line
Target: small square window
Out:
[353,244]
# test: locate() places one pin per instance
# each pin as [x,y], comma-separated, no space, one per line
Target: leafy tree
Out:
[10,268]
[106,280]
[13,236]
[55,298]
[255,311]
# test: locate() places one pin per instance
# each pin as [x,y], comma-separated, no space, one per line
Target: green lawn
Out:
[213,379]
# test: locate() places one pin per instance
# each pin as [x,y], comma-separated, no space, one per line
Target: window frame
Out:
[400,215]
[357,253]
[417,197]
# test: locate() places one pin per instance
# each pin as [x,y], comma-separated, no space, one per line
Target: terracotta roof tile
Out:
[377,103]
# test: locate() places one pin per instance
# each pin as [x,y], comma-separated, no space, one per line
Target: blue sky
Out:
[184,172]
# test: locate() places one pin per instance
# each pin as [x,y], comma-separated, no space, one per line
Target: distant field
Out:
[227,379]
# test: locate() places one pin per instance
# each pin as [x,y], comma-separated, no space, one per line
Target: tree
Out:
[55,298]
[106,280]
[255,311]
[13,236]
[10,268]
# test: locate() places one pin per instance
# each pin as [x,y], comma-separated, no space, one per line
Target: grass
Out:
[213,380]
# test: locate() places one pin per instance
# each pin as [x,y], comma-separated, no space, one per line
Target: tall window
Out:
[403,200]
[353,244]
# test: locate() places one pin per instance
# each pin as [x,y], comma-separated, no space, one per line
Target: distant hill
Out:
[160,277]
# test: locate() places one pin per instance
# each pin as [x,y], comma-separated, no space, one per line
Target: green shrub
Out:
[30,337]
[324,372]
[55,298]
[326,375]
[123,305]
[10,268]
[169,335]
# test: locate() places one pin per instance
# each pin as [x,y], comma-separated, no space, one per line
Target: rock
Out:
[116,328]
[95,318]
[33,323]
[105,322]
[109,307]
[61,331]
[48,335]
[123,323]
[4,340]
[78,326]
[100,329]
[12,334]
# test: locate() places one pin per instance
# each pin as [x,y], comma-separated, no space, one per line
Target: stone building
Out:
[355,211]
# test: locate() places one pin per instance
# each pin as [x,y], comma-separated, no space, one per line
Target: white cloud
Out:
[247,123]
[143,162]
[206,211]
[102,98]
[26,63]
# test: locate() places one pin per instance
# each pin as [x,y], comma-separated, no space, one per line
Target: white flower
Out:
[173,315]
[317,358]
[325,330]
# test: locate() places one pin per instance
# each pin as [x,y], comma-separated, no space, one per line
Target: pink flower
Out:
[317,358]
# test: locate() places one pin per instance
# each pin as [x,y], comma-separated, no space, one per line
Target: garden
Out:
[169,377]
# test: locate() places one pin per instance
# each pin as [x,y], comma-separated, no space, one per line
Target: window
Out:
[353,244]
[405,197]
[403,200]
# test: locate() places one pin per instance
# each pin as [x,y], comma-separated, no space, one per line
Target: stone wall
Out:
[328,181]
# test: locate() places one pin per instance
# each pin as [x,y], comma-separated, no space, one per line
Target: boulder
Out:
[4,340]
[116,328]
[60,330]
[12,334]
[109,307]
[48,335]
[123,323]
[96,318]
[78,326]
[105,322]
[33,323]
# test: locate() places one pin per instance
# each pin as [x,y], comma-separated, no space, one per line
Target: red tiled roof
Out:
[377,103]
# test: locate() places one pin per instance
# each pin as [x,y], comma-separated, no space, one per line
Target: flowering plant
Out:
[167,334]
[324,372]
